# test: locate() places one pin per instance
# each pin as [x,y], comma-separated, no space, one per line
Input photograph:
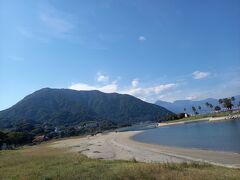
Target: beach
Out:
[120,146]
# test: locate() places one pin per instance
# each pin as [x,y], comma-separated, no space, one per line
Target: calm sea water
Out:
[221,135]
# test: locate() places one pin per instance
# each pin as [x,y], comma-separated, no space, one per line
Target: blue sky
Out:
[159,49]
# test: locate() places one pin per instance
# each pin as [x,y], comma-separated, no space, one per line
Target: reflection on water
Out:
[221,135]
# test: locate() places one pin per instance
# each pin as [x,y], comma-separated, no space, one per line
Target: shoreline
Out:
[209,119]
[120,146]
[219,158]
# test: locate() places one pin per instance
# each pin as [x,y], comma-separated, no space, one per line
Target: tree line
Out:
[25,132]
[227,103]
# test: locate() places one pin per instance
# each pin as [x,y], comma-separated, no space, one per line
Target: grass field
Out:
[43,162]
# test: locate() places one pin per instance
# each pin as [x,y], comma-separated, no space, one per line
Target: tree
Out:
[199,108]
[3,137]
[194,110]
[220,101]
[217,108]
[233,100]
[18,138]
[211,106]
[207,104]
[227,103]
[24,126]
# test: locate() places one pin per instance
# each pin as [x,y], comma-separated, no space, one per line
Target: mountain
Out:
[179,105]
[71,107]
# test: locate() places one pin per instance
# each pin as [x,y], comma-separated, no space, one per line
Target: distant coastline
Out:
[210,119]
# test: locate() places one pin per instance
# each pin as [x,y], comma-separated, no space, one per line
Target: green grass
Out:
[43,162]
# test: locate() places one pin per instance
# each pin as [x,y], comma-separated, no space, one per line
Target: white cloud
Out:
[153,90]
[102,78]
[82,86]
[135,83]
[54,23]
[57,24]
[109,88]
[163,87]
[167,91]
[150,94]
[200,75]
[142,38]
[191,97]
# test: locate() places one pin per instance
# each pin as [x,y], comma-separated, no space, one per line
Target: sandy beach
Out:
[120,146]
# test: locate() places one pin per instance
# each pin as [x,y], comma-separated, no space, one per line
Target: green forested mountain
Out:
[70,107]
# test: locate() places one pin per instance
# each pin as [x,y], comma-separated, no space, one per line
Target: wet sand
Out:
[120,146]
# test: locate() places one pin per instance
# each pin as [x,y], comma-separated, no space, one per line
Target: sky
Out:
[155,50]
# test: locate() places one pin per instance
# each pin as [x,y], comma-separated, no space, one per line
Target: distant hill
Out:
[179,105]
[70,107]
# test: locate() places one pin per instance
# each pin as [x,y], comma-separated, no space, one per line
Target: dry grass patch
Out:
[43,162]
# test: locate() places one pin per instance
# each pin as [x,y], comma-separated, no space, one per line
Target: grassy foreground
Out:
[43,162]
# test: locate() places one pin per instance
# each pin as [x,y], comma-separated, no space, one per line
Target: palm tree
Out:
[199,108]
[233,99]
[211,106]
[207,104]
[217,108]
[227,103]
[194,110]
[220,101]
